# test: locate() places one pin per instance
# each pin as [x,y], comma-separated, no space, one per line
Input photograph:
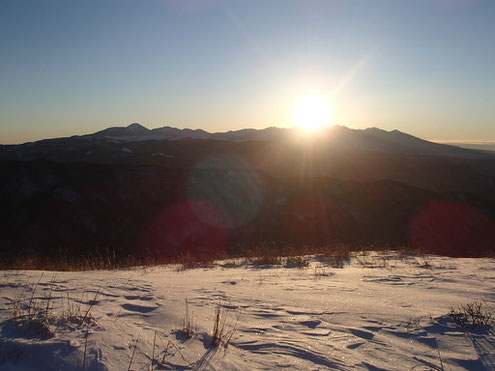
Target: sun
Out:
[312,112]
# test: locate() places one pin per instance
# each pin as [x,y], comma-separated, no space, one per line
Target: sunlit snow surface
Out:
[381,311]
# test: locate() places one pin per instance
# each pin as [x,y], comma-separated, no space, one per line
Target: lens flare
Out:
[452,229]
[178,231]
[231,185]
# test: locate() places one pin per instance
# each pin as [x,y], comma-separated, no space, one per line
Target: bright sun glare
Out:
[312,112]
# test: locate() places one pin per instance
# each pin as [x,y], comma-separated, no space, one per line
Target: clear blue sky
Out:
[426,67]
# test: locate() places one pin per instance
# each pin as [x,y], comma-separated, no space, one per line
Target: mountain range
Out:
[337,137]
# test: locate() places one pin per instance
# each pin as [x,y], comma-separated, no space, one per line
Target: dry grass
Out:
[189,327]
[320,271]
[270,253]
[296,262]
[34,313]
[373,261]
[472,316]
[97,260]
[224,326]
[76,314]
[266,260]
[336,255]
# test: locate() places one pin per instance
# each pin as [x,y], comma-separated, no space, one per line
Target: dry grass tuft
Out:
[224,326]
[266,260]
[337,255]
[296,262]
[189,327]
[32,315]
[472,316]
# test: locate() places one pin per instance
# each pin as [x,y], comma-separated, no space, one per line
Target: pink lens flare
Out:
[452,229]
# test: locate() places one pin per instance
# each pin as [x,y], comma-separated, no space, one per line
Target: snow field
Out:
[380,311]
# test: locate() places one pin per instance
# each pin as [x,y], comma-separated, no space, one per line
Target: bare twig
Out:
[153,353]
[132,356]
[85,348]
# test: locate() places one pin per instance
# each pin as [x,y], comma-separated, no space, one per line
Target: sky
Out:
[425,67]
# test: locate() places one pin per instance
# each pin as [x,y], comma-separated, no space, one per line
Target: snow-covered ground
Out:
[381,311]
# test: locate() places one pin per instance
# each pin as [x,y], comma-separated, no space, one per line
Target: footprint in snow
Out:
[136,297]
[311,323]
[362,334]
[138,308]
[355,345]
